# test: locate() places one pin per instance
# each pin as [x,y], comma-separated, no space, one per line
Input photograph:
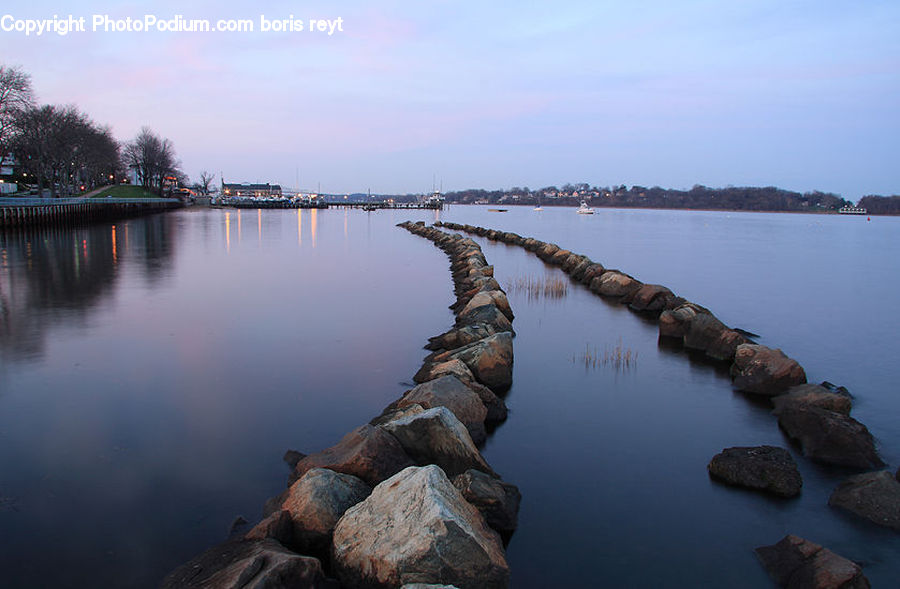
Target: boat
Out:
[539,208]
[852,211]
[584,209]
[497,210]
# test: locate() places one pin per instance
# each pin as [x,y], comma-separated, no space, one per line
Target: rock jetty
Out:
[407,499]
[817,417]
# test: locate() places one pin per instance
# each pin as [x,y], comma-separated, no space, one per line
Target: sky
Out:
[804,95]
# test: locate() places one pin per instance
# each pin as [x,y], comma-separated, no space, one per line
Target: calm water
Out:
[154,371]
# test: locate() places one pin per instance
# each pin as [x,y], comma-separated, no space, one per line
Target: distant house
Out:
[7,168]
[251,190]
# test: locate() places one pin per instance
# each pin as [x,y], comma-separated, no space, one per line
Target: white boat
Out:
[584,209]
[853,211]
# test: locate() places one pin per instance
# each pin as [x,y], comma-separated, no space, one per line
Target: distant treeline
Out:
[881,205]
[699,197]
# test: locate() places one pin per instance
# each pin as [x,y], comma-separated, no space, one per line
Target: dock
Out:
[26,212]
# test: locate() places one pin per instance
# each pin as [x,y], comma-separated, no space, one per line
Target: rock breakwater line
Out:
[817,417]
[407,498]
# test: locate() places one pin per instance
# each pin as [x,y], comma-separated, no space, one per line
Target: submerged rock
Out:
[764,468]
[764,371]
[417,528]
[874,496]
[250,564]
[436,436]
[367,452]
[829,436]
[816,395]
[797,563]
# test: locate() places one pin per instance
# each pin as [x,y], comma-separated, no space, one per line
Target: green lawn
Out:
[125,191]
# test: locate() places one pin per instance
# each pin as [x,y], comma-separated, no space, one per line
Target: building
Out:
[7,169]
[251,190]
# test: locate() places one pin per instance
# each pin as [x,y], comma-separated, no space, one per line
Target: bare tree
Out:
[61,146]
[152,157]
[206,179]
[15,96]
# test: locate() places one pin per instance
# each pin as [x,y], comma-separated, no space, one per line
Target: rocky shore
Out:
[406,499]
[816,417]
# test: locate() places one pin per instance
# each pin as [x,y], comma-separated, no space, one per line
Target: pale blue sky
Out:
[802,95]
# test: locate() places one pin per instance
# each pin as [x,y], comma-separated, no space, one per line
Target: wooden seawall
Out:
[79,211]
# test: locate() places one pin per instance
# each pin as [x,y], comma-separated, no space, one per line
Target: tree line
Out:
[768,198]
[61,149]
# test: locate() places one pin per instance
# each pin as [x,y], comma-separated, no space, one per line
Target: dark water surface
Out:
[153,372]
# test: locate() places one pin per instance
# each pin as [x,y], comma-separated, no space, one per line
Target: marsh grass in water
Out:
[619,357]
[537,288]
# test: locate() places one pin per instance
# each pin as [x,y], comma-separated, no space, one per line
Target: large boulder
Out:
[496,408]
[316,501]
[461,336]
[816,395]
[613,283]
[436,436]
[367,452]
[249,564]
[490,360]
[703,331]
[278,526]
[497,501]
[489,297]
[763,468]
[592,271]
[650,298]
[485,314]
[796,563]
[874,496]
[764,371]
[450,392]
[676,322]
[829,436]
[417,528]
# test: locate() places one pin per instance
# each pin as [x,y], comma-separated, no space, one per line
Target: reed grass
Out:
[537,288]
[618,358]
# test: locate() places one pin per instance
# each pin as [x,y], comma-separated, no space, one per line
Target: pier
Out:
[284,203]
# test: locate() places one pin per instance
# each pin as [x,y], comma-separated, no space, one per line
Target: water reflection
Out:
[56,276]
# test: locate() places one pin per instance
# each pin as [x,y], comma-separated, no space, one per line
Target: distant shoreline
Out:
[620,208]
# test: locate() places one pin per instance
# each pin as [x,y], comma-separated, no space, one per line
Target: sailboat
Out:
[538,206]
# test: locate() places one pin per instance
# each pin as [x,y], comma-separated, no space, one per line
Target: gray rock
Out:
[763,468]
[436,436]
[316,502]
[248,564]
[417,528]
[764,371]
[497,501]
[874,496]
[796,563]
